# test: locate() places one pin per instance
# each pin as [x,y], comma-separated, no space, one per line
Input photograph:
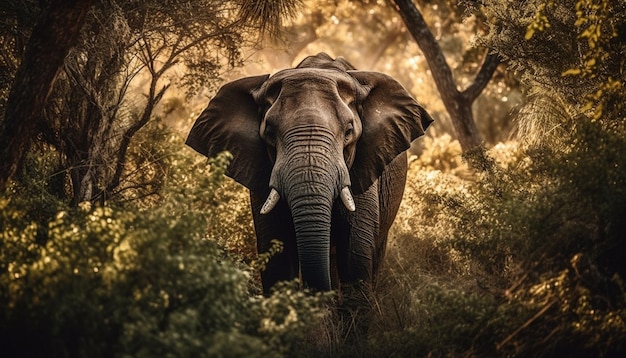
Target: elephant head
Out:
[312,134]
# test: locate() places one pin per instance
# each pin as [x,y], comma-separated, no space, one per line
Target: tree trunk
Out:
[457,103]
[53,36]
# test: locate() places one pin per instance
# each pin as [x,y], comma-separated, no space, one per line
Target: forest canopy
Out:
[117,240]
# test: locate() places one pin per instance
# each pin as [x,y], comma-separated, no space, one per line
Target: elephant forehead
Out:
[324,80]
[308,96]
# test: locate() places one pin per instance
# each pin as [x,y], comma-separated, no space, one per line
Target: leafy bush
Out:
[524,259]
[160,161]
[521,260]
[121,281]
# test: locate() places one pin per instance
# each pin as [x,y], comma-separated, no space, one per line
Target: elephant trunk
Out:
[311,217]
[310,177]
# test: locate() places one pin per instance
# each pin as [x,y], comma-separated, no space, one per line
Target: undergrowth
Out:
[524,259]
[137,280]
[521,260]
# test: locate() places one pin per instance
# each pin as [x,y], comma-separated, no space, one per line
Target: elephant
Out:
[322,149]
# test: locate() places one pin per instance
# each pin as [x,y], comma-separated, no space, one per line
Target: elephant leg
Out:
[390,188]
[355,236]
[276,225]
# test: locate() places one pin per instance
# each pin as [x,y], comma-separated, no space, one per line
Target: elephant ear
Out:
[391,119]
[231,122]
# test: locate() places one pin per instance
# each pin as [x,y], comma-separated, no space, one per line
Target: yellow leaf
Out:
[571,72]
[598,94]
[587,107]
[613,84]
[587,32]
[598,112]
[591,63]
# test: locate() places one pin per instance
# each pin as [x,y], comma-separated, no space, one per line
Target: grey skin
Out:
[321,147]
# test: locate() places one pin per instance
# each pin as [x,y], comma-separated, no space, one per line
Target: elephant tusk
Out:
[271,202]
[346,198]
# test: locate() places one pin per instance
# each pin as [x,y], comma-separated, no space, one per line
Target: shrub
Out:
[577,250]
[122,281]
[521,260]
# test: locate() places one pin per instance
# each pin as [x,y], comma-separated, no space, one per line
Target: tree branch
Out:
[415,23]
[153,100]
[490,63]
[458,105]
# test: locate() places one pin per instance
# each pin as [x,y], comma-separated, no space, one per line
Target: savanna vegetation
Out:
[117,240]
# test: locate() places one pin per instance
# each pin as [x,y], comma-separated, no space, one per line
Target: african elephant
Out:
[303,138]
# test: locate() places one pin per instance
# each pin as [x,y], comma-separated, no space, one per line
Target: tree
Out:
[458,103]
[53,35]
[91,114]
[128,46]
[569,53]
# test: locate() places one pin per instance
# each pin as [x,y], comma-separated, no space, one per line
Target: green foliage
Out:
[567,49]
[160,165]
[127,56]
[542,232]
[290,315]
[153,158]
[264,258]
[124,281]
[553,223]
[597,22]
[522,260]
[446,320]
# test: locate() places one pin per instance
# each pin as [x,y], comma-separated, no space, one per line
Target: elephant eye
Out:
[349,131]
